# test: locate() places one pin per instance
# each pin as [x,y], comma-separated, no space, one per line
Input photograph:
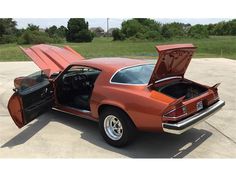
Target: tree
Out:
[153,35]
[165,31]
[78,31]
[117,35]
[232,27]
[37,37]
[61,31]
[141,28]
[174,30]
[2,29]
[7,26]
[52,31]
[34,37]
[131,27]
[7,30]
[211,29]
[151,24]
[198,31]
[32,27]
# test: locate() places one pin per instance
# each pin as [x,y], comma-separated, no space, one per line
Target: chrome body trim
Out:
[168,78]
[165,79]
[184,125]
[83,111]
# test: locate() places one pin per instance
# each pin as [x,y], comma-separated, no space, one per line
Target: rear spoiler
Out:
[178,101]
[214,87]
[175,103]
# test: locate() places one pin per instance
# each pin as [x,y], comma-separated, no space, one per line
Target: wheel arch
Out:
[121,108]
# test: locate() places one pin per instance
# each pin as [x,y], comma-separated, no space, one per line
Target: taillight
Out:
[213,100]
[176,113]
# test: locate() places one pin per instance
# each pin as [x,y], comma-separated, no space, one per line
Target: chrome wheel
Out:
[113,127]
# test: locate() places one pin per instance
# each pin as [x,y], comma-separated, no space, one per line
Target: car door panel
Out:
[24,106]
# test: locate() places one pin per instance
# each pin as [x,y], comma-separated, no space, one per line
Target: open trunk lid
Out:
[173,61]
[52,59]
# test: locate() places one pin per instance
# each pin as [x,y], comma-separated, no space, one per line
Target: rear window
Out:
[134,75]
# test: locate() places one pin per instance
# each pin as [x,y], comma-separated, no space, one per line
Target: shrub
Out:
[174,29]
[132,27]
[198,31]
[84,36]
[139,28]
[117,35]
[57,40]
[153,35]
[151,24]
[34,37]
[165,32]
[4,39]
[52,31]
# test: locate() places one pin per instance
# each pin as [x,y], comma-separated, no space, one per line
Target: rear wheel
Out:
[116,127]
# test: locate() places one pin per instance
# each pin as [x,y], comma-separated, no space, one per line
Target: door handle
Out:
[44,92]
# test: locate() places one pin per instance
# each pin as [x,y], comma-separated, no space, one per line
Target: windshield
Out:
[134,75]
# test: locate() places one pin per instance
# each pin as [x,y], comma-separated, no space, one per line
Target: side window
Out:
[83,70]
[81,75]
[27,82]
[134,75]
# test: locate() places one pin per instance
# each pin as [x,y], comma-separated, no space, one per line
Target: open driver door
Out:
[33,95]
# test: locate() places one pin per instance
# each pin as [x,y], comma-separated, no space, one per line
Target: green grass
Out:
[215,46]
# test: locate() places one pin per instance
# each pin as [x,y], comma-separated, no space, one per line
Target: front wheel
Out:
[116,127]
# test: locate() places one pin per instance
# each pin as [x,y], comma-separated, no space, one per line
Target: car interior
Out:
[75,87]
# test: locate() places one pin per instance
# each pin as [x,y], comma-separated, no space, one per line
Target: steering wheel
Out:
[79,81]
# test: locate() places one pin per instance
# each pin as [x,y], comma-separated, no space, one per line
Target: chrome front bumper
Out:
[184,125]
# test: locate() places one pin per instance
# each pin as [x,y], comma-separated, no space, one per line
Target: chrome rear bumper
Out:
[184,125]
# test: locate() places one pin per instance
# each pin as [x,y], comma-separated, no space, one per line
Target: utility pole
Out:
[107,25]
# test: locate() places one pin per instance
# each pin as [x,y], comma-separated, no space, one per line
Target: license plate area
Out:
[199,106]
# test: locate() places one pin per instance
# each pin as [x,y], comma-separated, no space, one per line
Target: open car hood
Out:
[52,59]
[173,60]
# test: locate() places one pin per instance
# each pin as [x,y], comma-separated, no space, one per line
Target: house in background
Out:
[41,29]
[98,31]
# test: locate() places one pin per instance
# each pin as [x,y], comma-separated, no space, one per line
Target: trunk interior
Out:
[180,88]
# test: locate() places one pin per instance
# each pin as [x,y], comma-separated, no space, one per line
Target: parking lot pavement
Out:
[56,134]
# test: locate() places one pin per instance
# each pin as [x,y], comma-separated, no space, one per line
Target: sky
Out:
[102,22]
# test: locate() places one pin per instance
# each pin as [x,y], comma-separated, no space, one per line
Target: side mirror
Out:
[18,82]
[24,82]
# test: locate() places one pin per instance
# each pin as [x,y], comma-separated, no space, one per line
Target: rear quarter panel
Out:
[144,107]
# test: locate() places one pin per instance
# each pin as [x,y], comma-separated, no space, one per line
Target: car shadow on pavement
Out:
[146,145]
[28,132]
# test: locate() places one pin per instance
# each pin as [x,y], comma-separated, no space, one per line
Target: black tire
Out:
[129,129]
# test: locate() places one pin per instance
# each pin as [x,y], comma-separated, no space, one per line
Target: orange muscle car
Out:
[123,95]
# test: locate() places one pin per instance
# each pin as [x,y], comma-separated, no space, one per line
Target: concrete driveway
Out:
[56,134]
